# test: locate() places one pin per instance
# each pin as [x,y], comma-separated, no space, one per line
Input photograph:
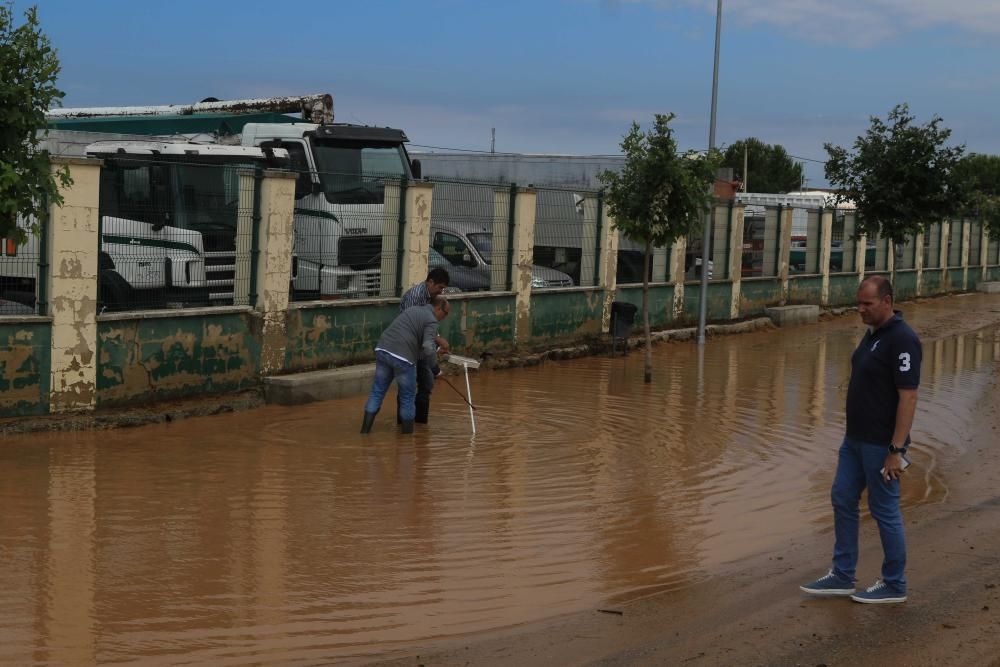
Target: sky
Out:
[553,76]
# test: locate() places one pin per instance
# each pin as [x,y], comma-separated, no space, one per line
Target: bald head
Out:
[875,301]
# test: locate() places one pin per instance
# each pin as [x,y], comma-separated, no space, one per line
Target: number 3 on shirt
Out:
[904,361]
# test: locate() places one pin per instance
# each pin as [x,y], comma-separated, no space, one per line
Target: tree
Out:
[980,179]
[28,69]
[658,197]
[770,168]
[901,176]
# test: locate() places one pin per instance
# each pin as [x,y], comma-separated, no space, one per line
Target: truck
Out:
[168,218]
[342,173]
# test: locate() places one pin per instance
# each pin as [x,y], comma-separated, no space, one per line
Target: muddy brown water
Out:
[281,536]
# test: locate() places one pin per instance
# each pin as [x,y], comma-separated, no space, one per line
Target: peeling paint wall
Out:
[805,290]
[145,359]
[24,368]
[565,314]
[905,286]
[661,303]
[844,289]
[720,295]
[477,325]
[323,335]
[756,294]
[931,282]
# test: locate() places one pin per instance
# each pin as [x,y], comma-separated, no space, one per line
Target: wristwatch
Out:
[893,449]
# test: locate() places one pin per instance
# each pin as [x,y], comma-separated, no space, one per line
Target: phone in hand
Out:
[904,466]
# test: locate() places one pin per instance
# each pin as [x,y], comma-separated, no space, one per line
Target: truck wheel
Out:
[114,293]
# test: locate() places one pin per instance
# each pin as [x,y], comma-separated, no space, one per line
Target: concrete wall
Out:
[756,294]
[905,285]
[321,335]
[564,314]
[480,323]
[25,345]
[843,289]
[172,355]
[661,303]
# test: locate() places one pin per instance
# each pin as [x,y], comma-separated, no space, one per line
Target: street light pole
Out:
[707,238]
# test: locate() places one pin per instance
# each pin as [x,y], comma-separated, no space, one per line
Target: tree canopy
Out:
[658,197]
[770,168]
[901,176]
[980,179]
[28,70]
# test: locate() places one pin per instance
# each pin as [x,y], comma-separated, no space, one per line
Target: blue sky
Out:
[563,76]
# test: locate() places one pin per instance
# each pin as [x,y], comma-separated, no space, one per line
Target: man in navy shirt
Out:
[881,401]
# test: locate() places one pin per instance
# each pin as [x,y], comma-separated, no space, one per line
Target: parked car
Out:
[463,279]
[470,245]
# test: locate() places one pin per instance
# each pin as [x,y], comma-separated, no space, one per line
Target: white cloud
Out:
[855,22]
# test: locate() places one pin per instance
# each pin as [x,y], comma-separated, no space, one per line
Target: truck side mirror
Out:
[415,169]
[162,223]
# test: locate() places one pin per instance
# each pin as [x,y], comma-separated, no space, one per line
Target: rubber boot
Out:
[408,427]
[366,425]
[423,407]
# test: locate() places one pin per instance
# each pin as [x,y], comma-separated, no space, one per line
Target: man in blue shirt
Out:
[881,402]
[421,294]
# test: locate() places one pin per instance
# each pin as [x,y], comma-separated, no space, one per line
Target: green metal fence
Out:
[21,265]
[175,234]
[349,228]
[567,238]
[471,234]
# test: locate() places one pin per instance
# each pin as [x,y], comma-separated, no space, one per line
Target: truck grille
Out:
[360,252]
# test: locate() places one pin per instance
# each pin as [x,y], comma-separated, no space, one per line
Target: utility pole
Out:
[493,141]
[707,238]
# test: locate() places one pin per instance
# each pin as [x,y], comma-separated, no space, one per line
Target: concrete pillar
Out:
[275,237]
[71,279]
[966,238]
[785,250]
[417,233]
[918,261]
[412,266]
[735,258]
[678,252]
[524,246]
[608,264]
[501,238]
[826,244]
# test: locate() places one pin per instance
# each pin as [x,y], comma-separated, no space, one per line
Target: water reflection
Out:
[282,535]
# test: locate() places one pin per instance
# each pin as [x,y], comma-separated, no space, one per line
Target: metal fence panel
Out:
[993,253]
[932,246]
[19,271]
[169,233]
[844,245]
[472,233]
[975,243]
[955,244]
[567,237]
[348,231]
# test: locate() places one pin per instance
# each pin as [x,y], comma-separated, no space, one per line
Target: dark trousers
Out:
[425,385]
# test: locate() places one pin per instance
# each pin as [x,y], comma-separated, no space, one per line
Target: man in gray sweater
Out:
[410,338]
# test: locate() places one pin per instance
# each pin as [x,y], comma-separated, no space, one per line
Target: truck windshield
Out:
[353,172]
[208,196]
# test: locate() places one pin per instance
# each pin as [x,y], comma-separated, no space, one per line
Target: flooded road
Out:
[281,536]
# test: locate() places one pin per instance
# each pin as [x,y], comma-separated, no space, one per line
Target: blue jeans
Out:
[387,369]
[858,467]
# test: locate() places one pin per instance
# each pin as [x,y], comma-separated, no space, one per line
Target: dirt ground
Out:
[754,613]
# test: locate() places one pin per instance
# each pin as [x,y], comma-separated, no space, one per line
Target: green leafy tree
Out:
[28,69]
[658,197]
[980,179]
[901,176]
[770,168]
